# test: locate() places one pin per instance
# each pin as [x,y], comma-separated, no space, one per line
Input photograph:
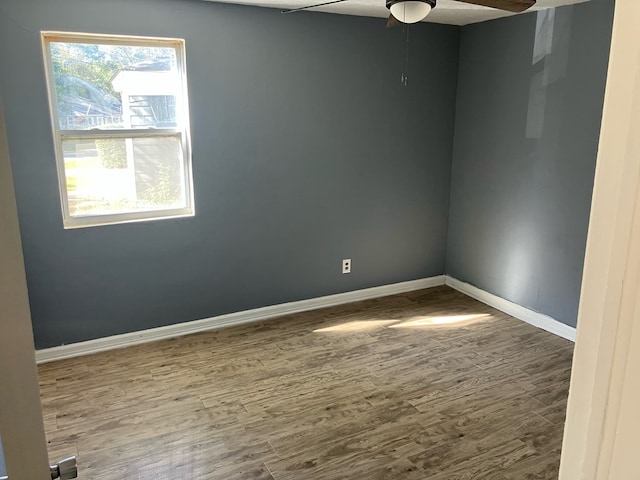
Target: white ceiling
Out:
[447,11]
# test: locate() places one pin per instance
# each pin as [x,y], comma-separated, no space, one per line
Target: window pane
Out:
[111,175]
[115,86]
[152,111]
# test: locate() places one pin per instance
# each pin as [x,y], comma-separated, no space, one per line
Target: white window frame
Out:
[182,132]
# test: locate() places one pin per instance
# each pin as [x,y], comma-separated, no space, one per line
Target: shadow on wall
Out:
[525,150]
[551,48]
[550,59]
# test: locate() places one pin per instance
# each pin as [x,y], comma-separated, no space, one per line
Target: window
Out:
[120,120]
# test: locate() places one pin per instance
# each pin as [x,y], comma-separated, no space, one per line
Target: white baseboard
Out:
[228,320]
[532,317]
[259,314]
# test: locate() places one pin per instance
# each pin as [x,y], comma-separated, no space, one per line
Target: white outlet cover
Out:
[346,265]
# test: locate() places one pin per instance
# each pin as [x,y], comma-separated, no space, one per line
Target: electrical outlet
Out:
[346,265]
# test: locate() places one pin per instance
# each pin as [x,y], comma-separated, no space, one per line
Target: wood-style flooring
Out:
[425,385]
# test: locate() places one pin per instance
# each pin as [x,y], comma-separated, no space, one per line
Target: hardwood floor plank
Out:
[427,384]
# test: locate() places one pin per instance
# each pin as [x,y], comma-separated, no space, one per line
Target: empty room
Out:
[356,240]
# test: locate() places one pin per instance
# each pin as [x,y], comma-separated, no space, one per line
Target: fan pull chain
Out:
[404,78]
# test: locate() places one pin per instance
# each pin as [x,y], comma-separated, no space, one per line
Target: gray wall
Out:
[306,150]
[527,123]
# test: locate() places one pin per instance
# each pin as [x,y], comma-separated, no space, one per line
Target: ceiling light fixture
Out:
[411,11]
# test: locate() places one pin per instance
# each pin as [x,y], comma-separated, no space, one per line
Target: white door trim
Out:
[21,423]
[600,441]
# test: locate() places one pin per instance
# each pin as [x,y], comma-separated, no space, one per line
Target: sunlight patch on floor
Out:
[430,321]
[357,326]
[413,322]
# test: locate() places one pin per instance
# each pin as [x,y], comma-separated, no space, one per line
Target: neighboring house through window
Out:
[119,110]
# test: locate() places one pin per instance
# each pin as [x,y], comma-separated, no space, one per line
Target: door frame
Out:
[600,440]
[21,423]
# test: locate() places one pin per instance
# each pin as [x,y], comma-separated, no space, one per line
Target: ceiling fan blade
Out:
[393,22]
[508,5]
[293,10]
